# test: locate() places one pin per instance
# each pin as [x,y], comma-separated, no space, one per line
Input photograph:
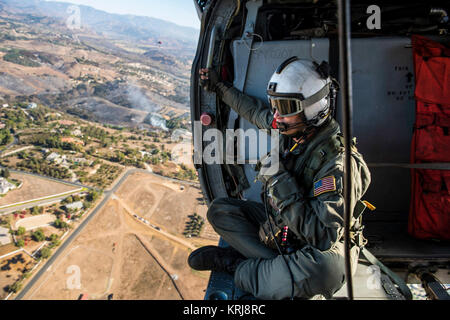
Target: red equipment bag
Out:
[431,138]
[432,71]
[429,216]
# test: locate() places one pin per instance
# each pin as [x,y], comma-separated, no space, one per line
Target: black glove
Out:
[209,78]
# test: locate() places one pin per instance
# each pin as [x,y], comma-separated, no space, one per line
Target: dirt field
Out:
[34,222]
[116,253]
[33,187]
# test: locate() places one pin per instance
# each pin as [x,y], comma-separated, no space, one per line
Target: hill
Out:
[108,60]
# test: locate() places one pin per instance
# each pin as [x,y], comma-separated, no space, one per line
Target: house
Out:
[81,161]
[78,205]
[72,140]
[5,237]
[32,105]
[77,133]
[54,157]
[5,105]
[145,153]
[5,186]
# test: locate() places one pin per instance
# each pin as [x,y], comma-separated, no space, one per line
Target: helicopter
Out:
[370,48]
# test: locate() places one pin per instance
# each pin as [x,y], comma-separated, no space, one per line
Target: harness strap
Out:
[394,277]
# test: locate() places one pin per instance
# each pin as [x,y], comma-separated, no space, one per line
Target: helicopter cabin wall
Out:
[383,107]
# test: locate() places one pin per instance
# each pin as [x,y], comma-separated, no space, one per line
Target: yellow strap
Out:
[370,206]
[293,148]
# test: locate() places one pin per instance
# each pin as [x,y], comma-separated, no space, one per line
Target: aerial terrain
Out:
[99,198]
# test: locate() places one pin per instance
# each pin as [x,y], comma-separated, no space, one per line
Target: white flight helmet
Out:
[302,86]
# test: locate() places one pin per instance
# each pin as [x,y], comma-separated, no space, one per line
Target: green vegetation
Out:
[60,224]
[5,137]
[184,174]
[15,287]
[37,210]
[20,243]
[20,231]
[16,119]
[45,253]
[86,61]
[194,225]
[38,235]
[5,173]
[41,166]
[176,123]
[94,132]
[49,140]
[22,57]
[104,176]
[54,241]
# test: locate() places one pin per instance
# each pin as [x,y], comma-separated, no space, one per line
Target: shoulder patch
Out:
[323,185]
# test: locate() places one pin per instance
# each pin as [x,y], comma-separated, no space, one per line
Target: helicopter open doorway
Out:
[247,40]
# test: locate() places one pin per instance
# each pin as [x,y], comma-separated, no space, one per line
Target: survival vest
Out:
[315,157]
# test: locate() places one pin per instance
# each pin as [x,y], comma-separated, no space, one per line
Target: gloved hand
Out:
[209,79]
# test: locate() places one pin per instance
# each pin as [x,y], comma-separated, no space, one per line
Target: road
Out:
[3,154]
[15,141]
[44,201]
[76,232]
[49,178]
[162,232]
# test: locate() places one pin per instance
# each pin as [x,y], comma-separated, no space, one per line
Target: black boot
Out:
[215,259]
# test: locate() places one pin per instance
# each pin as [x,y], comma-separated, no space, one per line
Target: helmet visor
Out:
[286,107]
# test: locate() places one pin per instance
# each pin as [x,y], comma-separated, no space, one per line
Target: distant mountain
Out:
[108,24]
[111,69]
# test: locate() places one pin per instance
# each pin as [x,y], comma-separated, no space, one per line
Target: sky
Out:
[181,12]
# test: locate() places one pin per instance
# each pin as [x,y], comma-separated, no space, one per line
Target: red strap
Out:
[274,124]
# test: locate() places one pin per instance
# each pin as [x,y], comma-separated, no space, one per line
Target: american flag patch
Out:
[324,185]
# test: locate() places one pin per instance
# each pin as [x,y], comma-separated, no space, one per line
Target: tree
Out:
[15,287]
[93,195]
[20,231]
[38,235]
[60,224]
[20,243]
[5,173]
[69,199]
[35,211]
[45,253]
[53,237]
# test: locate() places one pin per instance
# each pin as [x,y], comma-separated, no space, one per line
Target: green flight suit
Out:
[315,222]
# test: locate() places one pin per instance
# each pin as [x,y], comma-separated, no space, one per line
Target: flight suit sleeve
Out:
[251,109]
[317,220]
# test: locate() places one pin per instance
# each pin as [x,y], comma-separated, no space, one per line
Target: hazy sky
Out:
[181,12]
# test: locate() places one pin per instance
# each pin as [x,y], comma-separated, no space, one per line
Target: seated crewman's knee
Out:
[214,210]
